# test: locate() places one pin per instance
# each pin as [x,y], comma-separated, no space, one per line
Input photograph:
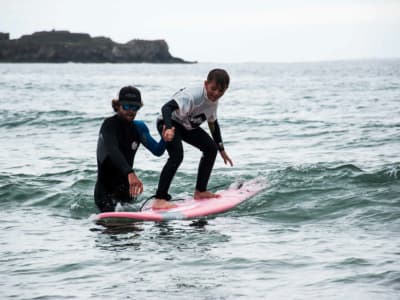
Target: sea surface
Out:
[324,135]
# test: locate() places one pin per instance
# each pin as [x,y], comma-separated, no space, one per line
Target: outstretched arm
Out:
[216,134]
[157,148]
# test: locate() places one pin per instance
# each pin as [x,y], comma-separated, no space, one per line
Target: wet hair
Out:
[127,94]
[115,104]
[220,76]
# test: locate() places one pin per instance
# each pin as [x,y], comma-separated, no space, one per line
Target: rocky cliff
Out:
[64,46]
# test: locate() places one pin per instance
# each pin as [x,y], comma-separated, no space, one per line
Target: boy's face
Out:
[214,91]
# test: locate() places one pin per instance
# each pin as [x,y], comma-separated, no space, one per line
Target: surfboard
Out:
[189,208]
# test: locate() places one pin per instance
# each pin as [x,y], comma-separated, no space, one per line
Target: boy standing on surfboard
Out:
[182,117]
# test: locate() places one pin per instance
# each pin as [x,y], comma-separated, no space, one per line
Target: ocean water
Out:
[326,137]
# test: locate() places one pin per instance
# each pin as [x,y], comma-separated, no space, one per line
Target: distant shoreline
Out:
[225,63]
[64,47]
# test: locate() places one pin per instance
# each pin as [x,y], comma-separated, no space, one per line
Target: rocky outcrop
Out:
[64,46]
[4,36]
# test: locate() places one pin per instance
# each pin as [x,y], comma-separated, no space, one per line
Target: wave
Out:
[51,190]
[320,192]
[296,194]
[388,175]
[11,119]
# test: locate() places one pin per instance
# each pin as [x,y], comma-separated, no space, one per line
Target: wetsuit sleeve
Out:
[110,143]
[216,134]
[147,140]
[167,111]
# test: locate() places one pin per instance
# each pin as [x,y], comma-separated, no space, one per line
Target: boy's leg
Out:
[175,152]
[201,140]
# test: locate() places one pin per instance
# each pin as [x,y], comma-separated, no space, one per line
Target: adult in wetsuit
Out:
[119,139]
[182,117]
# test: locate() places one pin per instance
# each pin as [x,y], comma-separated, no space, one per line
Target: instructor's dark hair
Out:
[220,76]
[127,95]
[115,104]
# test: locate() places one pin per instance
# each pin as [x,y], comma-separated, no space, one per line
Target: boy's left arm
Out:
[216,134]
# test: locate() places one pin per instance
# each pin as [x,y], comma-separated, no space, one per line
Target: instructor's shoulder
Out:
[141,126]
[109,122]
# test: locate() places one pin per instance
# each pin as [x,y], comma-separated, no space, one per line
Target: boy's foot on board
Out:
[162,204]
[205,195]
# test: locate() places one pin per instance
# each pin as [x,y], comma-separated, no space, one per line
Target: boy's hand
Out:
[168,134]
[226,158]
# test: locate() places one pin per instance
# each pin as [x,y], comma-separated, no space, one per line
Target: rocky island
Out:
[64,46]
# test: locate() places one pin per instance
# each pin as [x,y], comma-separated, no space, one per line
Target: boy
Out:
[182,117]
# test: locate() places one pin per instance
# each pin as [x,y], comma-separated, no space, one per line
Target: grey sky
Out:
[225,31]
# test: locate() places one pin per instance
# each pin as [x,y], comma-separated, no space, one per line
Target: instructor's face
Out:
[214,91]
[128,115]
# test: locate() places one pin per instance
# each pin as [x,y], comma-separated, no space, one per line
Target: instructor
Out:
[119,139]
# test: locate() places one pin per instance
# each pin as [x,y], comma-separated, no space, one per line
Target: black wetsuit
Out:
[196,137]
[116,148]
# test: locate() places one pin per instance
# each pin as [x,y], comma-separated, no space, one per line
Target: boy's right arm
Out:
[167,111]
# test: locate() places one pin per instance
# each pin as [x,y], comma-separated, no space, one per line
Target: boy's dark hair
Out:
[220,76]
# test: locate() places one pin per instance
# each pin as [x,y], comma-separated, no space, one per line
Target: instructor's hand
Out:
[168,134]
[135,185]
[226,158]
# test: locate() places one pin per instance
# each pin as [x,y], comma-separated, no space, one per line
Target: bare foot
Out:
[205,195]
[162,204]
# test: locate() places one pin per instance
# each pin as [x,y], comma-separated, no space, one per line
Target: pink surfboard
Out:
[189,208]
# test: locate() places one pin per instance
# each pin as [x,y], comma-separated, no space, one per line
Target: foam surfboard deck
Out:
[189,208]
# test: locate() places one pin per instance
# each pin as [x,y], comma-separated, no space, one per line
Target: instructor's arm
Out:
[135,185]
